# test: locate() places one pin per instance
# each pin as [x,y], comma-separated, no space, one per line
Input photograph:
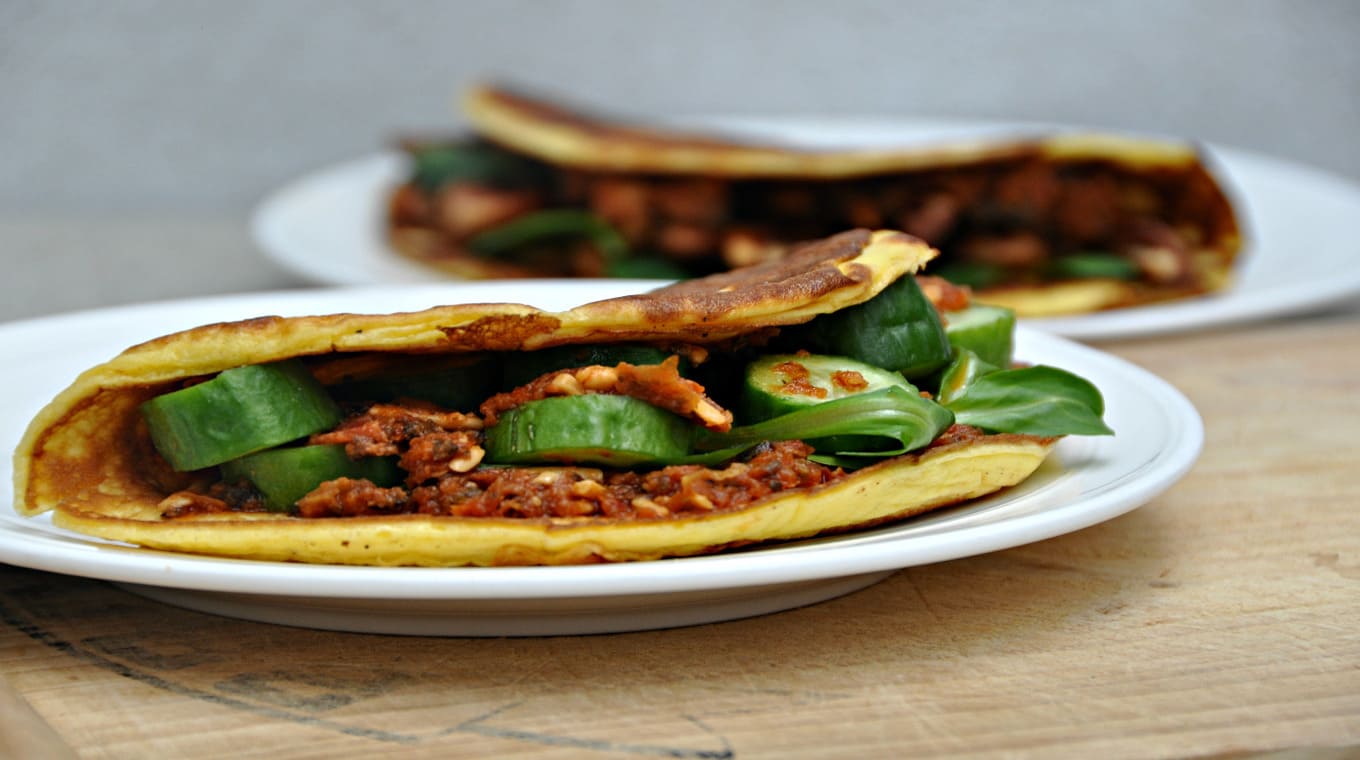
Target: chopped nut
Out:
[712,415]
[565,384]
[598,378]
[647,508]
[588,489]
[702,502]
[468,459]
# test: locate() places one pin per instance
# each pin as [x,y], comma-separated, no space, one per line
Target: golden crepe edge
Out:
[80,455]
[563,136]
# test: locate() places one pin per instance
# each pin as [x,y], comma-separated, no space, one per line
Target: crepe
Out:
[1017,217]
[87,457]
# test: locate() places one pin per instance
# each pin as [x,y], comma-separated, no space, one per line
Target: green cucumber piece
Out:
[988,331]
[285,475]
[961,374]
[898,330]
[782,383]
[523,366]
[616,431]
[238,412]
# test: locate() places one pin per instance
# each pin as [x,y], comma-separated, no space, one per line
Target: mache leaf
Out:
[1038,400]
[897,416]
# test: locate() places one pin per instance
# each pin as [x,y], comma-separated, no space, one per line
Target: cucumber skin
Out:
[286,475]
[969,329]
[614,431]
[224,419]
[898,330]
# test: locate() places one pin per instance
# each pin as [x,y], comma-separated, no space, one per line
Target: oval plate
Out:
[1086,481]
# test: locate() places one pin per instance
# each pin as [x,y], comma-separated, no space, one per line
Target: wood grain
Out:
[1221,620]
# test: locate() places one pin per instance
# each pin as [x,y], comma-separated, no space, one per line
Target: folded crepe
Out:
[1058,223]
[91,457]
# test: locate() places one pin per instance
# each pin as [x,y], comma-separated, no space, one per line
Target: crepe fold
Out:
[87,455]
[1017,216]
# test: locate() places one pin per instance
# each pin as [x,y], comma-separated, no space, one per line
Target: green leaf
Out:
[1039,400]
[962,373]
[551,225]
[439,165]
[896,420]
[1086,264]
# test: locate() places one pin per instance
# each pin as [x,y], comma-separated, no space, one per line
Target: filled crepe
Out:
[831,390]
[1051,224]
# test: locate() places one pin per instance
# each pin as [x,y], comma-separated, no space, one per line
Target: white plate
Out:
[1087,481]
[1300,253]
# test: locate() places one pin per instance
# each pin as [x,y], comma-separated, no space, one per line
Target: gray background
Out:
[136,136]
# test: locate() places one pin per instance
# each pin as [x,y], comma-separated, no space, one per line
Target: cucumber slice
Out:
[238,412]
[988,331]
[285,475]
[616,431]
[782,383]
[898,329]
[521,367]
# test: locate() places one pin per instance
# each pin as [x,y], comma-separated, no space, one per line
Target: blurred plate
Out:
[1085,481]
[1300,251]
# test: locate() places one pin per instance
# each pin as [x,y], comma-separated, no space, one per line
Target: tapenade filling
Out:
[1022,220]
